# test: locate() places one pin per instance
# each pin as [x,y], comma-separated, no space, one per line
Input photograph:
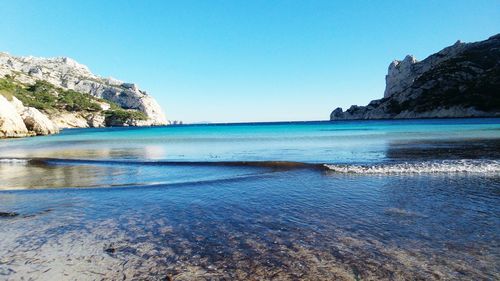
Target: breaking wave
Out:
[422,167]
[13,161]
[445,166]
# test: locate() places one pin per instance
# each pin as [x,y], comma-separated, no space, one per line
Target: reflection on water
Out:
[287,225]
[21,175]
[96,152]
[335,142]
[25,175]
[443,149]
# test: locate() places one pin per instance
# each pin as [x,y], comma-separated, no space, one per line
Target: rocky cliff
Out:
[462,80]
[16,120]
[67,94]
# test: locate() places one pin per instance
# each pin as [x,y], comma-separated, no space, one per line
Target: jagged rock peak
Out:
[461,80]
[398,69]
[401,74]
[61,65]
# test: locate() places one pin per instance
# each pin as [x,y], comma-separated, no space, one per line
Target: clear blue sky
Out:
[252,60]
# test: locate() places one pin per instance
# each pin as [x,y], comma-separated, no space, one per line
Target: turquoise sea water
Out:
[318,142]
[407,199]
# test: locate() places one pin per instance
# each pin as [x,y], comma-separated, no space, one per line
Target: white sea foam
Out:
[13,161]
[446,166]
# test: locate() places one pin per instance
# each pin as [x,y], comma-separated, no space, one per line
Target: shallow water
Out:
[413,200]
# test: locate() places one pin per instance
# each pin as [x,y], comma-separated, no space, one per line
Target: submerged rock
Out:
[8,214]
[110,250]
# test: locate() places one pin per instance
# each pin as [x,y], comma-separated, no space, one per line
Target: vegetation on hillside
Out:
[120,116]
[46,97]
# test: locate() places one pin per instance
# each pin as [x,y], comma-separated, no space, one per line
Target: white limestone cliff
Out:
[37,122]
[19,121]
[11,123]
[402,74]
[68,74]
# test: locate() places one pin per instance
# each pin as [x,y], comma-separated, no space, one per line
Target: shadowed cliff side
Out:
[462,80]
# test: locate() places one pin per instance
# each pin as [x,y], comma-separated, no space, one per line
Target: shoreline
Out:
[259,123]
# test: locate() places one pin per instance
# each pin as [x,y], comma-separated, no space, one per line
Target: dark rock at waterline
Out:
[14,214]
[8,214]
[337,113]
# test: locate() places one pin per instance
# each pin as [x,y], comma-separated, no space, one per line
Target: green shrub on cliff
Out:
[47,97]
[39,95]
[74,101]
[7,88]
[121,116]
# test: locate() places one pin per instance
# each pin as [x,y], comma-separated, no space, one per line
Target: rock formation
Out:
[37,122]
[462,80]
[11,123]
[67,74]
[16,120]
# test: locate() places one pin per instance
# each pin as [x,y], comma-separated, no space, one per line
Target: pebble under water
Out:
[137,214]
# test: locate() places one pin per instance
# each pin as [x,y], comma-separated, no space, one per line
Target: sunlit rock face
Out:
[400,75]
[11,123]
[69,74]
[462,80]
[16,120]
[37,122]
